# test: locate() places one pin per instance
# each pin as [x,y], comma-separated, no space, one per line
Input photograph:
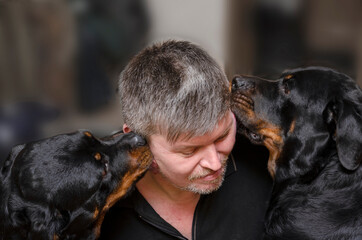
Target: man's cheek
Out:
[227,145]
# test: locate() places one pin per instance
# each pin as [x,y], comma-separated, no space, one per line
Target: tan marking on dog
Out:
[242,101]
[250,114]
[144,160]
[274,153]
[88,134]
[97,156]
[55,237]
[271,133]
[247,112]
[292,127]
[288,76]
[273,141]
[96,213]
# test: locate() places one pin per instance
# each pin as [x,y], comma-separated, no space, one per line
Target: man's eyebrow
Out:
[222,136]
[183,148]
[226,132]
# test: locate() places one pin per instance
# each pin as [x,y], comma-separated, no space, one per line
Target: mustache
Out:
[206,172]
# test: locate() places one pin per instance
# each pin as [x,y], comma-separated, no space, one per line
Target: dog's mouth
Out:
[261,133]
[141,157]
[140,161]
[243,101]
[251,135]
[243,106]
[254,125]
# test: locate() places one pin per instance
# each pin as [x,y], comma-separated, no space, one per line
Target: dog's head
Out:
[299,116]
[61,187]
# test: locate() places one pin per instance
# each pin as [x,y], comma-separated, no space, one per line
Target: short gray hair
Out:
[173,88]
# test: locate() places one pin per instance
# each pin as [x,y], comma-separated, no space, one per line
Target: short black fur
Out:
[58,188]
[311,121]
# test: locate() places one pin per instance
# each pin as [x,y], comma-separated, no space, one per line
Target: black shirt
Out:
[235,211]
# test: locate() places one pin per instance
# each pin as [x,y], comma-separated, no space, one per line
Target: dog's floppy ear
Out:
[38,222]
[349,135]
[11,158]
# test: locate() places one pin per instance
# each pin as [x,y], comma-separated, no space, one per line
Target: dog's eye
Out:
[255,137]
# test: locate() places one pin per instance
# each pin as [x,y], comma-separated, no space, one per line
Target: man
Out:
[177,97]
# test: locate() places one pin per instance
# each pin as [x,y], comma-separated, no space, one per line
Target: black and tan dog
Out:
[311,122]
[61,187]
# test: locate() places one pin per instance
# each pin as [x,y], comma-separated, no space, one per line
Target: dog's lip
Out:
[144,160]
[249,133]
[106,166]
[243,100]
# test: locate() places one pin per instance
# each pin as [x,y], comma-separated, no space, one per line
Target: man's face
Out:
[197,164]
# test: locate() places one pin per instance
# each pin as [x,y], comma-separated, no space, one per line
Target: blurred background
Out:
[60,59]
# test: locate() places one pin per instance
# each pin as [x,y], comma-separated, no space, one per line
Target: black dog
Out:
[61,187]
[311,122]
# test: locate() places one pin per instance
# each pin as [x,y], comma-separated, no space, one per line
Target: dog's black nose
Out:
[242,83]
[137,140]
[131,139]
[134,140]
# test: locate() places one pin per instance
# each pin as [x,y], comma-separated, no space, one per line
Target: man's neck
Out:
[155,186]
[174,205]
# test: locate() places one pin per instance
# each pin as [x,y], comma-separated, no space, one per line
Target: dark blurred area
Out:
[267,37]
[22,122]
[109,33]
[60,59]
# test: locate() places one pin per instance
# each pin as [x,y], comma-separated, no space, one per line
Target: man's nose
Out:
[211,158]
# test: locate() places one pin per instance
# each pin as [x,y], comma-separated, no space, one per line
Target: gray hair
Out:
[173,88]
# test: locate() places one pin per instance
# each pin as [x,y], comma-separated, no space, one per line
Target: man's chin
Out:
[205,188]
[208,184]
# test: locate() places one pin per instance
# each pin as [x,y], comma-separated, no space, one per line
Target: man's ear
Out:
[126,129]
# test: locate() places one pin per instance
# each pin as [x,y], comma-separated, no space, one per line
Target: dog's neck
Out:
[312,156]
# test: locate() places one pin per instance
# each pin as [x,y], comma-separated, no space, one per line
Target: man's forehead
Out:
[186,139]
[220,130]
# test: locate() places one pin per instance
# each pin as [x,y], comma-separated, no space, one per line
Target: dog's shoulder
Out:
[318,206]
